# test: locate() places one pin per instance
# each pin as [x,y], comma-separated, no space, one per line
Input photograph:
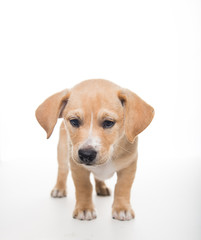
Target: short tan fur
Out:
[99,135]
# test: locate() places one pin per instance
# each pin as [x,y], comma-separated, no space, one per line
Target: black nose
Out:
[87,155]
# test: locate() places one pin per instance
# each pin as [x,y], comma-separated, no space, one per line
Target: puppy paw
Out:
[103,191]
[58,193]
[84,214]
[101,188]
[123,214]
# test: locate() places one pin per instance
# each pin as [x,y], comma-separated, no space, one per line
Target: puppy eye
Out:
[75,123]
[108,124]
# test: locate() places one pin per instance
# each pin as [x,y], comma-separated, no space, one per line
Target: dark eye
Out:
[75,123]
[108,124]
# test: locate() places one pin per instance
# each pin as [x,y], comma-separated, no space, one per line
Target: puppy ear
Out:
[51,109]
[138,114]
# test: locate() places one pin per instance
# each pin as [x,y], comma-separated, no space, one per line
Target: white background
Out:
[150,47]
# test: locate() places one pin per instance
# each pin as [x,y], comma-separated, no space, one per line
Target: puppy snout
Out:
[87,156]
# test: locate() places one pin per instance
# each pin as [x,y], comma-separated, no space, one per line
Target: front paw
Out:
[123,213]
[84,213]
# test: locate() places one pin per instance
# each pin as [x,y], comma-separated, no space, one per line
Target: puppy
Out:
[101,122]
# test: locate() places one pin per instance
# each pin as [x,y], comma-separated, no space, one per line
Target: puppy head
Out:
[96,113]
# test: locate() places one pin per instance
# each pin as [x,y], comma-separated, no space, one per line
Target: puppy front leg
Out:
[59,190]
[84,208]
[121,208]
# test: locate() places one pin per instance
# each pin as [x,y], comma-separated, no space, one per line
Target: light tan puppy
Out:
[98,134]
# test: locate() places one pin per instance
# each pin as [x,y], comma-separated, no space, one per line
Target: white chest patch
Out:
[104,171]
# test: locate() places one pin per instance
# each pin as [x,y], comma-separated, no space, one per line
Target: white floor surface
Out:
[166,197]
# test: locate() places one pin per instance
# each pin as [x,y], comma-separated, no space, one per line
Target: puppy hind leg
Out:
[101,188]
[59,190]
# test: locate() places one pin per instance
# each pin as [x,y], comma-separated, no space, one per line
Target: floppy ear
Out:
[51,109]
[138,114]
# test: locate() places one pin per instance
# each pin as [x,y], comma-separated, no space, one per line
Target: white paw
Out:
[58,193]
[84,214]
[124,215]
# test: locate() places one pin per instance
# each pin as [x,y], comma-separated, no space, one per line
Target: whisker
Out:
[123,148]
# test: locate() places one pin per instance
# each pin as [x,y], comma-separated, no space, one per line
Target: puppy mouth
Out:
[90,164]
[93,164]
[87,164]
